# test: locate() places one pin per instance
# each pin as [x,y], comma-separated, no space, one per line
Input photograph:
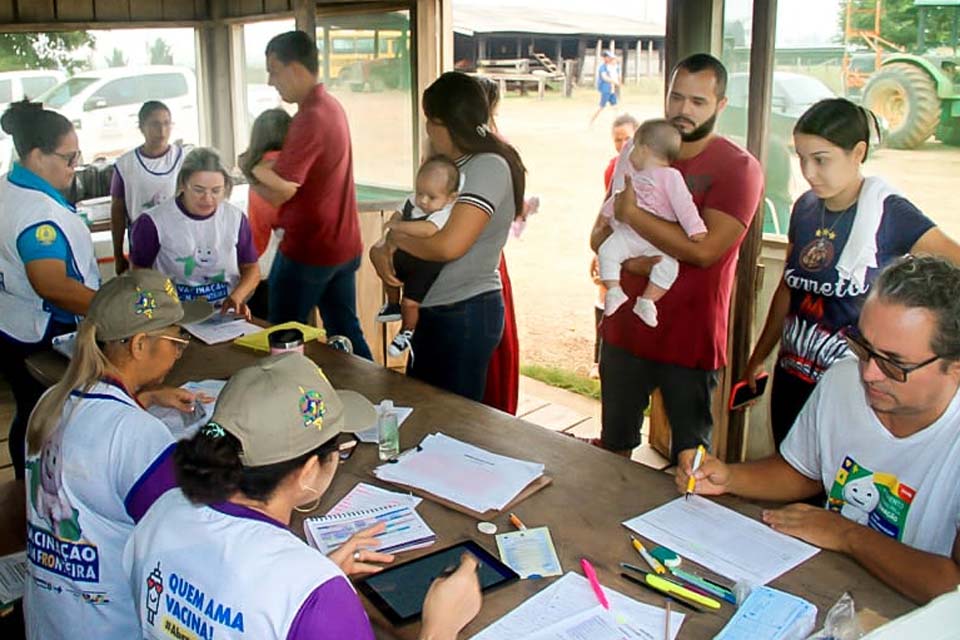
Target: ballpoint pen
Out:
[649,559]
[697,460]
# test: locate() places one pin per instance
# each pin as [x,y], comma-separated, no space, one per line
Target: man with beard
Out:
[680,357]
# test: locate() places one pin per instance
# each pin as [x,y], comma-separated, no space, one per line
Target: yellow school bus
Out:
[351,46]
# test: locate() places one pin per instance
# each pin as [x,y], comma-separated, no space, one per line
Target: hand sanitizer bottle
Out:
[388,431]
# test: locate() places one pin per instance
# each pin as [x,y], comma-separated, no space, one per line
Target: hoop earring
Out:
[312,507]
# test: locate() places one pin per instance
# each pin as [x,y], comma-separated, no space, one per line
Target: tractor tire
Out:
[906,98]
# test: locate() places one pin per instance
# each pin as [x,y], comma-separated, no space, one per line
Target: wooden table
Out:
[592,492]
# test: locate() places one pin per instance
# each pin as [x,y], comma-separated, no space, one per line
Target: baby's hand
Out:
[698,237]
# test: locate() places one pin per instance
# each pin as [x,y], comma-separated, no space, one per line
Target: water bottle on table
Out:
[388,431]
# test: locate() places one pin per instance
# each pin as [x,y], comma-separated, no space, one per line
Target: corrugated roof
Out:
[469,20]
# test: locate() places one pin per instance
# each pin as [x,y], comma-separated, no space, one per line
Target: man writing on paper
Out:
[881,435]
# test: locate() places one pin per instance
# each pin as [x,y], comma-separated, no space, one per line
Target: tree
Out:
[116,59]
[43,50]
[899,21]
[160,52]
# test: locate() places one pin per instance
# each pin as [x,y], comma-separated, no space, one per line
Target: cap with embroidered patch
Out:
[284,406]
[139,301]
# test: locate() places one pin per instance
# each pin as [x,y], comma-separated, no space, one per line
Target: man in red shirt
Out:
[312,184]
[683,354]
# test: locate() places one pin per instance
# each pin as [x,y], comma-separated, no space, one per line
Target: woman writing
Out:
[203,243]
[276,438]
[143,177]
[97,460]
[462,317]
[843,231]
[48,270]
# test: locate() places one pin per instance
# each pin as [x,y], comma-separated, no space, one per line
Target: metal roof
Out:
[490,19]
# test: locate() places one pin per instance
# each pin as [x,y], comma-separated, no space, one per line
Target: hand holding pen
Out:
[710,478]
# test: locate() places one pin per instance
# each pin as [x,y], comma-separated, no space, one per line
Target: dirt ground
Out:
[565,159]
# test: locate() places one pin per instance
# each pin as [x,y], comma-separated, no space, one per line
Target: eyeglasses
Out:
[344,444]
[864,352]
[181,341]
[199,191]
[72,159]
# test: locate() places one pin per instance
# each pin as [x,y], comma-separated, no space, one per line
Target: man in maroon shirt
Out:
[312,184]
[682,355]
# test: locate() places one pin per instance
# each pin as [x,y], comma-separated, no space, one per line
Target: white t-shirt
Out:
[907,488]
[148,181]
[94,478]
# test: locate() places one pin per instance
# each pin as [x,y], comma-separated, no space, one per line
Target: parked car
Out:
[17,85]
[103,105]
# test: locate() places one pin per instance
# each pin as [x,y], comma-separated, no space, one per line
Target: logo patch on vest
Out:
[46,234]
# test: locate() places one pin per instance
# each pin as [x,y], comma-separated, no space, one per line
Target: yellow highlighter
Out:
[697,460]
[650,560]
[674,589]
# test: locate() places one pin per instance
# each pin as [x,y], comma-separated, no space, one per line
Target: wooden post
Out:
[568,79]
[326,53]
[305,16]
[559,53]
[745,294]
[650,59]
[636,70]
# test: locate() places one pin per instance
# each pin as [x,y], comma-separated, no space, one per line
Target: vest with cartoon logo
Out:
[198,254]
[89,483]
[24,315]
[148,181]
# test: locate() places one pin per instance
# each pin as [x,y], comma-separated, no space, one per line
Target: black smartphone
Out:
[742,394]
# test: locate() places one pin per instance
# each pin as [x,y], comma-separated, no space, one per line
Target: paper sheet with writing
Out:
[13,576]
[769,614]
[367,496]
[571,600]
[529,552]
[221,328]
[722,540]
[462,473]
[183,425]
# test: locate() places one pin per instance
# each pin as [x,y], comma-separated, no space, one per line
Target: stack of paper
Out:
[568,609]
[768,614]
[722,540]
[13,577]
[367,496]
[405,530]
[182,424]
[221,328]
[461,473]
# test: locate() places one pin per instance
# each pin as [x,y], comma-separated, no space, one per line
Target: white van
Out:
[17,85]
[103,105]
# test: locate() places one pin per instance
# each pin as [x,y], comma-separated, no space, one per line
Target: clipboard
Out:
[490,514]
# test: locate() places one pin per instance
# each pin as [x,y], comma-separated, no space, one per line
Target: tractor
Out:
[915,96]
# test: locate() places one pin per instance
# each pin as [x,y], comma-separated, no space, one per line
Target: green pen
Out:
[716,590]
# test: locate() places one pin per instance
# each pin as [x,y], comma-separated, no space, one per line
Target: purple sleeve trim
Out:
[333,611]
[246,251]
[117,188]
[153,483]
[144,242]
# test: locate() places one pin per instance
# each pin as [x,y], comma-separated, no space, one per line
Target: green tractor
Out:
[916,96]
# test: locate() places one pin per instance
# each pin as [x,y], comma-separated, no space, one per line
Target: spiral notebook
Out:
[405,531]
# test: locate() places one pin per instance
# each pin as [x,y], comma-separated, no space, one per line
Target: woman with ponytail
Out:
[462,317]
[96,460]
[48,270]
[843,231]
[277,436]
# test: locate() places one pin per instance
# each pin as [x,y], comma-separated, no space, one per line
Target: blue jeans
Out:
[296,288]
[453,344]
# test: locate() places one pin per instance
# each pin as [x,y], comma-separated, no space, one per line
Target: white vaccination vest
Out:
[199,573]
[199,255]
[24,315]
[148,181]
[78,520]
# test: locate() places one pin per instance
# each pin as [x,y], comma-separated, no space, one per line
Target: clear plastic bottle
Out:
[388,431]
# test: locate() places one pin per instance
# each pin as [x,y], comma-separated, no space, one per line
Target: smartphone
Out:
[742,394]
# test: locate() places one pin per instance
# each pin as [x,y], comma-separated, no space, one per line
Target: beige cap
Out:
[139,301]
[283,407]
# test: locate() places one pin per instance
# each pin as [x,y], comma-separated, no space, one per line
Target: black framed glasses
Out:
[343,443]
[72,159]
[864,352]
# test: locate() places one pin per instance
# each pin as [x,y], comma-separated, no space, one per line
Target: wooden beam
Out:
[758,124]
[180,10]
[276,6]
[305,16]
[78,10]
[146,10]
[7,12]
[37,10]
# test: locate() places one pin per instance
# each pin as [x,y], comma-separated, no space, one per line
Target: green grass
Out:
[563,379]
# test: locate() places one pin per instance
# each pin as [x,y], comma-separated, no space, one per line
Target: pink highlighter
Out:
[594,583]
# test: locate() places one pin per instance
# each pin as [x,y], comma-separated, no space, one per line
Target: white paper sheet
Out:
[769,614]
[13,576]
[529,552]
[184,425]
[571,599]
[221,328]
[722,540]
[371,435]
[462,473]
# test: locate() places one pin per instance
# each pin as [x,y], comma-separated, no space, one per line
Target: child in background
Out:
[424,213]
[622,131]
[661,190]
[266,140]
